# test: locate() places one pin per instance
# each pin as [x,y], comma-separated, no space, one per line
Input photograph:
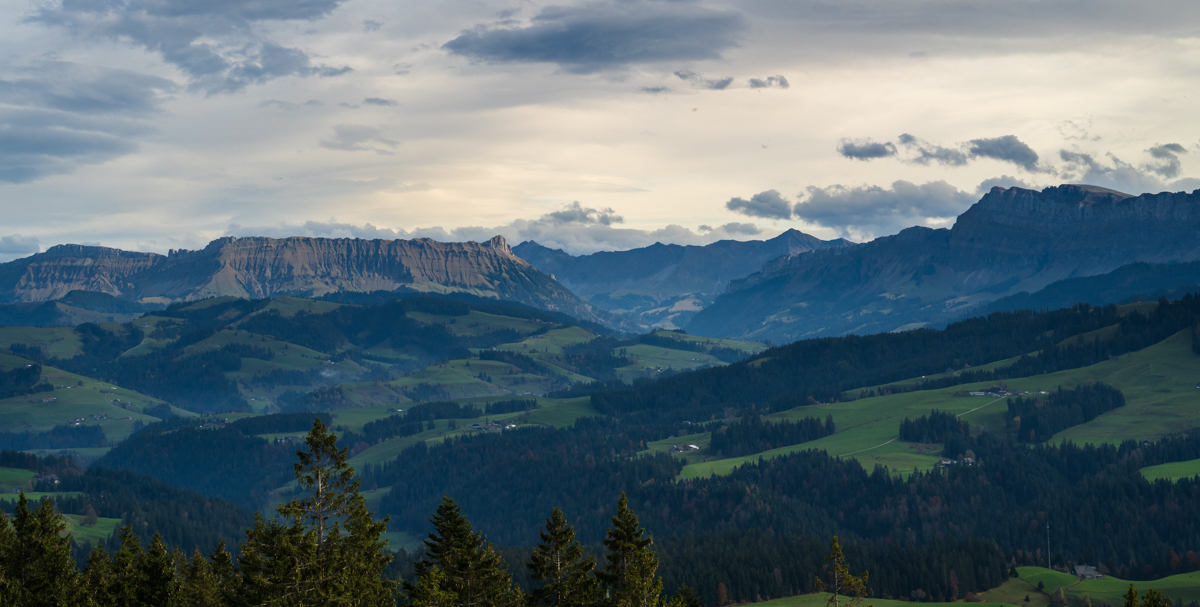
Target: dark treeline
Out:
[933,428]
[751,435]
[1036,419]
[21,381]
[61,436]
[227,462]
[823,369]
[412,421]
[514,405]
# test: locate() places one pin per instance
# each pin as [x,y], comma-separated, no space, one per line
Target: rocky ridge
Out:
[1011,241]
[259,267]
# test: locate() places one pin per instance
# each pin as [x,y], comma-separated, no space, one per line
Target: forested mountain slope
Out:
[1010,241]
[664,284]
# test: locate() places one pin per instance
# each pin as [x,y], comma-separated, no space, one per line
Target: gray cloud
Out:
[926,153]
[1005,182]
[577,229]
[770,81]
[58,116]
[214,42]
[371,25]
[380,101]
[1168,154]
[867,211]
[768,205]
[700,82]
[359,138]
[746,229]
[866,149]
[1117,174]
[1007,148]
[599,36]
[15,246]
[577,213]
[654,90]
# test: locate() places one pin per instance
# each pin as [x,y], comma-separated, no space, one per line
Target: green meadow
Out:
[1173,471]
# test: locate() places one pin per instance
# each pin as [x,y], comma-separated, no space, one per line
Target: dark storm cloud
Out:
[1168,157]
[1003,181]
[16,245]
[866,149]
[1122,176]
[214,42]
[58,116]
[873,210]
[359,138]
[605,35]
[768,205]
[1007,148]
[769,82]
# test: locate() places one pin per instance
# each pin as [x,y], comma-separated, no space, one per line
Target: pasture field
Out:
[58,342]
[749,347]
[1013,592]
[1158,383]
[14,477]
[1180,588]
[96,534]
[550,342]
[820,599]
[290,306]
[652,360]
[37,497]
[1173,471]
[479,323]
[71,401]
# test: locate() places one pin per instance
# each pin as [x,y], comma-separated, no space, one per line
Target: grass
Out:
[60,342]
[15,477]
[1158,383]
[37,497]
[651,360]
[478,323]
[1013,592]
[96,534]
[1173,471]
[1180,588]
[72,401]
[820,599]
[550,342]
[749,347]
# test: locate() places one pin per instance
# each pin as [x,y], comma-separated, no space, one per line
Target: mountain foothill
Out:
[1001,411]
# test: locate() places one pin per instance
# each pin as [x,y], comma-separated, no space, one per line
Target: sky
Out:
[594,125]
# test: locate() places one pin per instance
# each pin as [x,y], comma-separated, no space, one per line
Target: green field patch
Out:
[478,323]
[1014,591]
[819,599]
[290,306]
[1172,471]
[121,408]
[14,477]
[58,342]
[37,497]
[1102,334]
[652,360]
[551,342]
[96,533]
[749,347]
[1180,588]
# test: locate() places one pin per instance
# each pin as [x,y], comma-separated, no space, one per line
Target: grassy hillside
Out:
[1180,588]
[1159,384]
[1173,471]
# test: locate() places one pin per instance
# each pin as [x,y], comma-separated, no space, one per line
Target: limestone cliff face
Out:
[258,267]
[1010,241]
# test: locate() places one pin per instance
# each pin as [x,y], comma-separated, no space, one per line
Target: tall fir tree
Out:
[567,577]
[329,552]
[841,582]
[629,578]
[1131,597]
[472,570]
[685,597]
[37,566]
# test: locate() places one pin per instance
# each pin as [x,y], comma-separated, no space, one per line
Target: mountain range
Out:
[664,285]
[1013,240]
[257,267]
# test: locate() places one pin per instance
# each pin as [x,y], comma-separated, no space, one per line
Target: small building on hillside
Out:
[1088,572]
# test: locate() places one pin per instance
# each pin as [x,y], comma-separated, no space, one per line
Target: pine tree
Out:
[38,569]
[841,581]
[200,586]
[157,575]
[330,551]
[629,576]
[473,572]
[1154,598]
[428,591]
[559,565]
[1131,597]
[685,597]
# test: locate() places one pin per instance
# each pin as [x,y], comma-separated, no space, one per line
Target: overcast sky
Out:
[595,125]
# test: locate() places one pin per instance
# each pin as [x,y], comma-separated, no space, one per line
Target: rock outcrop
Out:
[257,267]
[1011,241]
[663,285]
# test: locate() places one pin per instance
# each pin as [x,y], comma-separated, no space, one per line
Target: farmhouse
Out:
[1088,572]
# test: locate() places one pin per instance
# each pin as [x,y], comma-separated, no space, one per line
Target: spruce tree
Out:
[629,575]
[199,585]
[429,592]
[1131,597]
[685,597]
[559,565]
[323,549]
[841,581]
[473,572]
[38,568]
